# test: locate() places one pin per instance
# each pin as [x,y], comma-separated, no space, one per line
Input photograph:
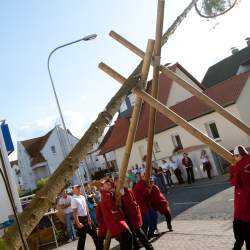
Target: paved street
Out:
[202,218]
[185,196]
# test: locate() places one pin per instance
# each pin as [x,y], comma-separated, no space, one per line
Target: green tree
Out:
[214,8]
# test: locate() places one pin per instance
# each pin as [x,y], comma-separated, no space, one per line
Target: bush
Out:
[40,183]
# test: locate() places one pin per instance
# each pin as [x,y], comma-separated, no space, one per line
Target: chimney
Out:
[234,50]
[248,41]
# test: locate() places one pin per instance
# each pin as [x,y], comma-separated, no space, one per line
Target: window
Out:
[212,130]
[156,147]
[176,141]
[123,107]
[53,150]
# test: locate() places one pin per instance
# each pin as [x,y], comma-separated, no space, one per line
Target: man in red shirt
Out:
[149,217]
[240,179]
[133,217]
[102,229]
[159,203]
[114,218]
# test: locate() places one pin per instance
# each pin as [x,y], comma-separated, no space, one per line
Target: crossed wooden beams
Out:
[152,56]
[171,114]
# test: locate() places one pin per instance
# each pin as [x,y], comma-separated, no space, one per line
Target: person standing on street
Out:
[82,219]
[188,164]
[240,179]
[160,204]
[206,163]
[165,167]
[177,171]
[65,204]
[149,217]
[161,180]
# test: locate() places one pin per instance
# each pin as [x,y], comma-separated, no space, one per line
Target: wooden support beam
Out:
[134,120]
[155,87]
[132,130]
[224,153]
[193,90]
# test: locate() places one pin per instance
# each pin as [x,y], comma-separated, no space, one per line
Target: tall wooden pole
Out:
[155,86]
[175,118]
[132,129]
[193,90]
[134,120]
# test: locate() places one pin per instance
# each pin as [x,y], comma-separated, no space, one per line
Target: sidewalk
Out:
[204,226]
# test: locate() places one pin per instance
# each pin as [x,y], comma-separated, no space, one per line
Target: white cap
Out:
[236,150]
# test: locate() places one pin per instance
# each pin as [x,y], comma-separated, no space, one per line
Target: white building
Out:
[6,211]
[233,93]
[17,173]
[39,157]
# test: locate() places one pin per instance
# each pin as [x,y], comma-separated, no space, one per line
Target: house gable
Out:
[224,93]
[178,93]
[227,68]
[243,103]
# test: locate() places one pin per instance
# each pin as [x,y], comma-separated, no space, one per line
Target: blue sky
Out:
[29,30]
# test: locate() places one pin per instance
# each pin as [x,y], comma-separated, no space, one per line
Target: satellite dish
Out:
[214,8]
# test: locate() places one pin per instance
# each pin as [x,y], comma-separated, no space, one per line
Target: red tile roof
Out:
[34,147]
[224,93]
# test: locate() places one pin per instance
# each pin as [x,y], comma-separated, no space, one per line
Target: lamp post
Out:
[86,38]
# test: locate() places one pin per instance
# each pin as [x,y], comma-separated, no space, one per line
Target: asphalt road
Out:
[182,197]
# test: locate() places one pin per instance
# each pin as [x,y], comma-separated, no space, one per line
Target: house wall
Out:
[6,209]
[18,177]
[177,93]
[29,180]
[53,160]
[58,140]
[229,137]
[243,103]
[40,172]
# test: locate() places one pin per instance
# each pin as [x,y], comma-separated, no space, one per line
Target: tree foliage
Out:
[214,8]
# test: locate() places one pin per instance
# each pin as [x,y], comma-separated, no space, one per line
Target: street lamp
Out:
[86,38]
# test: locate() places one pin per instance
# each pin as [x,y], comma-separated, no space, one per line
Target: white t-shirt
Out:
[204,159]
[66,201]
[79,202]
[134,171]
[165,166]
[174,165]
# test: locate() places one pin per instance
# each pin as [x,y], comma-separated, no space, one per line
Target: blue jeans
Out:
[70,226]
[153,219]
[149,220]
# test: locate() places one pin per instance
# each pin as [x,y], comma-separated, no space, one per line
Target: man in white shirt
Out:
[65,204]
[166,170]
[175,166]
[82,219]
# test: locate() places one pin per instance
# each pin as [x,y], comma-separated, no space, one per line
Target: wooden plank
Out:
[193,90]
[134,120]
[220,150]
[155,87]
[132,130]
